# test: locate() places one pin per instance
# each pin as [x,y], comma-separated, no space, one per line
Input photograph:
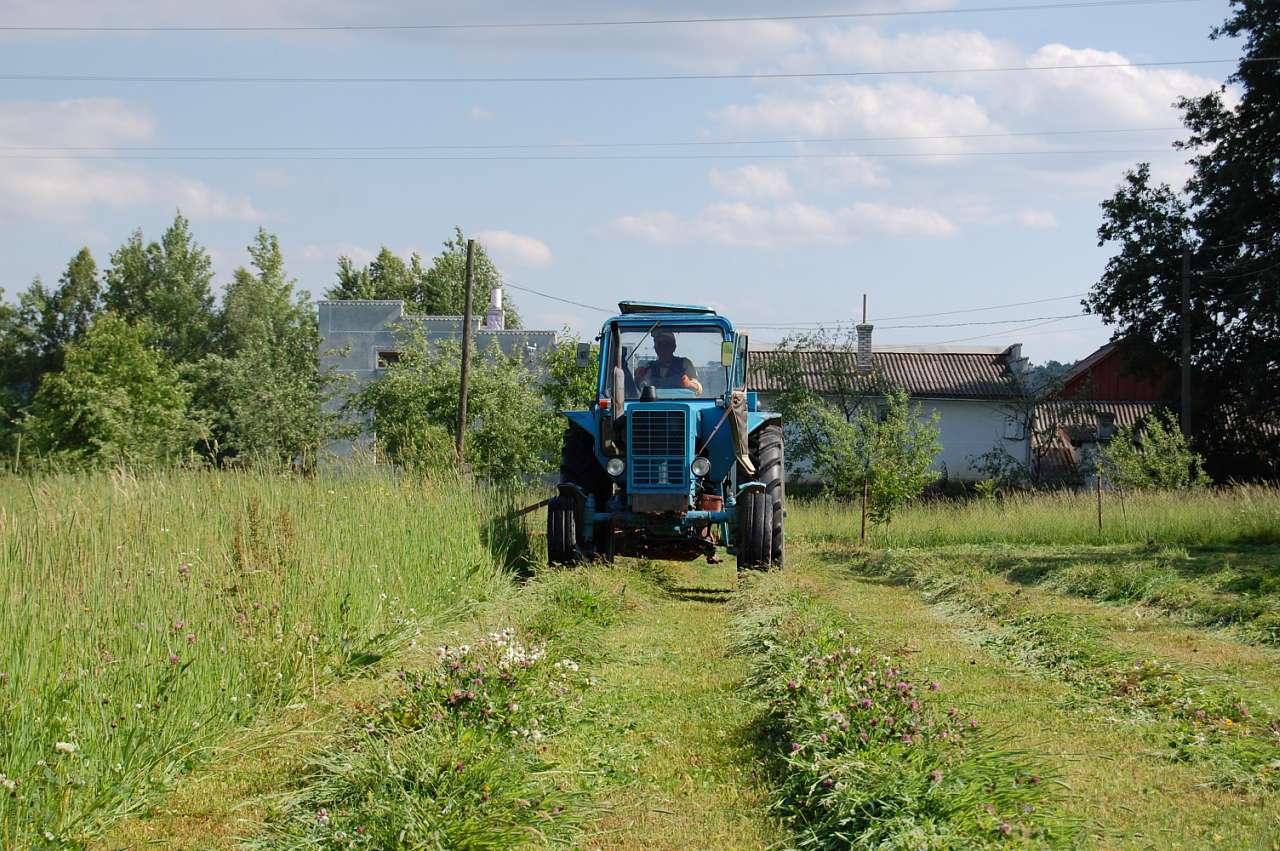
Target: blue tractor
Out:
[673,460]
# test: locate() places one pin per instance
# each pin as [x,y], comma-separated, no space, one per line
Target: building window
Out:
[386,359]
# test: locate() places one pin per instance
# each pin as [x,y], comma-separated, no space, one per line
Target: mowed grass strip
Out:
[1190,715]
[460,756]
[147,618]
[866,754]
[669,735]
[1126,794]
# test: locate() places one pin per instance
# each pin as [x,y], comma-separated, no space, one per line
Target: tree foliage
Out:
[1226,220]
[435,290]
[1153,455]
[261,389]
[566,385]
[414,411]
[115,400]
[167,287]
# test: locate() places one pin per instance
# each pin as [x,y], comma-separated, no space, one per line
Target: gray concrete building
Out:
[360,339]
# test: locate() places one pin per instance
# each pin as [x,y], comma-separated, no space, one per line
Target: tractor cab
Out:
[661,464]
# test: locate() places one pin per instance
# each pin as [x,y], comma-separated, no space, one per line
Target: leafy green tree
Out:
[1153,456]
[436,290]
[59,317]
[116,400]
[896,447]
[1226,219]
[168,286]
[262,391]
[566,385]
[511,434]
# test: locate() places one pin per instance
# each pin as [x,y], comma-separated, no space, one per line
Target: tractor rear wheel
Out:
[762,524]
[754,539]
[579,466]
[563,544]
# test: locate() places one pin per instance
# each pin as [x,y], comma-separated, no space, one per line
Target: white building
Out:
[977,392]
[361,338]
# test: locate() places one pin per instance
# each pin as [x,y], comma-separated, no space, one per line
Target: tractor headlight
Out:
[615,467]
[700,466]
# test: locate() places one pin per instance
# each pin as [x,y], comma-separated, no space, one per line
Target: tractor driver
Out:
[669,372]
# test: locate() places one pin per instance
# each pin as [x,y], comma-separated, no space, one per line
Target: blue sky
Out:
[770,241]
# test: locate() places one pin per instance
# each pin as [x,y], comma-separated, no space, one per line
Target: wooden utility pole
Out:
[466,353]
[1186,342]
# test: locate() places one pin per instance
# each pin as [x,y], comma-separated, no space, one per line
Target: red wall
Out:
[1112,378]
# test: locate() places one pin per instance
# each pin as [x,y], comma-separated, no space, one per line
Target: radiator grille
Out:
[657,448]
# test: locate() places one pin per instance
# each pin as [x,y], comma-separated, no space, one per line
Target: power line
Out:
[556,297]
[1025,7]
[621,78]
[578,157]
[1016,321]
[798,325]
[582,145]
[1008,331]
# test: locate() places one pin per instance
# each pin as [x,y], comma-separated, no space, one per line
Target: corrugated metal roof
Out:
[936,375]
[1085,413]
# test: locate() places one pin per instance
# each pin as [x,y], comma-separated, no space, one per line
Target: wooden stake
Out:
[862,539]
[466,353]
[1097,477]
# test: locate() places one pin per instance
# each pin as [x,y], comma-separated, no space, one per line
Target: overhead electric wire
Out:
[556,297]
[780,327]
[1009,331]
[737,19]
[582,145]
[580,157]
[606,78]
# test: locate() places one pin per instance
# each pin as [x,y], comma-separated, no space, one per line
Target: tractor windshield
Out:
[676,361]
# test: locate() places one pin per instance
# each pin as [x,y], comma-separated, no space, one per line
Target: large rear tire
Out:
[766,448]
[579,466]
[563,544]
[762,516]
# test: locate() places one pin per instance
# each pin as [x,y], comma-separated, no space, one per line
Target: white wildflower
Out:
[65,747]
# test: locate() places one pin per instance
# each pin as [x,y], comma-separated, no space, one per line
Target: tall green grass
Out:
[1237,515]
[145,617]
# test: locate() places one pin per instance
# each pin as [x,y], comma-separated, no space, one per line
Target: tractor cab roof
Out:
[644,313]
[629,307]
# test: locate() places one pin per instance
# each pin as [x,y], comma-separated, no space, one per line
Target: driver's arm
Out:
[690,378]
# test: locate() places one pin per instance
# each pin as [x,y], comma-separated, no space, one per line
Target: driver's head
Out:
[664,343]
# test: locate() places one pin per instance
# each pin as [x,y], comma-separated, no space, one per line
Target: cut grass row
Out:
[146,618]
[865,755]
[1187,714]
[1226,516]
[458,756]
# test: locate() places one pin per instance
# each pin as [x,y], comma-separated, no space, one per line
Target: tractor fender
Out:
[584,420]
[757,420]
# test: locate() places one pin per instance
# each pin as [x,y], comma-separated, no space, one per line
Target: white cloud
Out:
[68,189]
[864,47]
[515,248]
[846,108]
[794,223]
[753,182]
[330,252]
[1038,219]
[479,113]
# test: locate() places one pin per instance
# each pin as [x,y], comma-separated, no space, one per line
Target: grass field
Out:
[973,679]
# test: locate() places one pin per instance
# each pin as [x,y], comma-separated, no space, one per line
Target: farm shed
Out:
[1115,387]
[362,338]
[977,392]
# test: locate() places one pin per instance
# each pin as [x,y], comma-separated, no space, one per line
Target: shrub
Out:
[1153,456]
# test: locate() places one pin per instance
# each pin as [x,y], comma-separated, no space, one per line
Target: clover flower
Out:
[65,747]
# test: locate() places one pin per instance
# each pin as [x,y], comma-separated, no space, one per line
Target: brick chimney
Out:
[864,348]
[495,318]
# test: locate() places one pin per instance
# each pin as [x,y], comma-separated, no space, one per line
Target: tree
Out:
[437,290]
[262,390]
[115,400]
[566,385]
[1226,220]
[897,446]
[167,286]
[511,434]
[1153,456]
